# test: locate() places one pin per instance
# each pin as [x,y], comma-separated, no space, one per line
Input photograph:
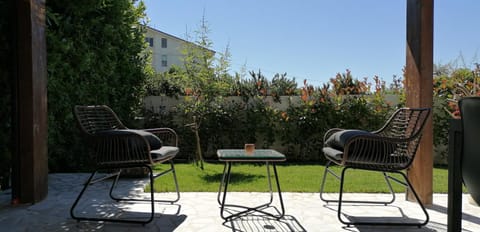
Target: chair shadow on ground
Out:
[97,203]
[167,217]
[402,218]
[164,223]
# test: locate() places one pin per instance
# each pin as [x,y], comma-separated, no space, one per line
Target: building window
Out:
[149,40]
[164,60]
[164,43]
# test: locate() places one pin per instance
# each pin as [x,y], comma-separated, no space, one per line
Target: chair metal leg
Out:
[172,170]
[91,181]
[322,185]
[85,186]
[329,171]
[152,195]
[407,184]
[174,173]
[340,196]
[390,188]
[114,184]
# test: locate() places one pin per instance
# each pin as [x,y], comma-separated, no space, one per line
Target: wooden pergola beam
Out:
[419,90]
[30,162]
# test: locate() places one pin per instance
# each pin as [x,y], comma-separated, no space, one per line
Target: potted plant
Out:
[464,109]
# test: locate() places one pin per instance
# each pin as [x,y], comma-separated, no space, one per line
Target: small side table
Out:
[230,156]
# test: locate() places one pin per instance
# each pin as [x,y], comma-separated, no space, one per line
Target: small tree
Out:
[207,79]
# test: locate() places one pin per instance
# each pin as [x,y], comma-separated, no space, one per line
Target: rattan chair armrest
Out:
[166,134]
[375,137]
[365,150]
[128,148]
[330,132]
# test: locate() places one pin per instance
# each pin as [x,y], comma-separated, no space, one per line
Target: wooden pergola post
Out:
[419,90]
[30,162]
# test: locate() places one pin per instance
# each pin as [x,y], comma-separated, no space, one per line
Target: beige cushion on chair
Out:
[333,153]
[164,153]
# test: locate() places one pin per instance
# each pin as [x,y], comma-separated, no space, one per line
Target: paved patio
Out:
[199,211]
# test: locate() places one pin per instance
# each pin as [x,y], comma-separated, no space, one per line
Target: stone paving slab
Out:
[199,211]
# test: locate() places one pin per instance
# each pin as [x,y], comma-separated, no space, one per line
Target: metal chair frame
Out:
[119,152]
[403,129]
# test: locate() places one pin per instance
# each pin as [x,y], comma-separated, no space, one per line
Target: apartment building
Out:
[165,48]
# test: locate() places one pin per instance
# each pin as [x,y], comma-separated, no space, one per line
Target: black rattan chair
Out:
[388,150]
[118,148]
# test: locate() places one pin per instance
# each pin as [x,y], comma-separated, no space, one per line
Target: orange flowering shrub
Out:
[460,83]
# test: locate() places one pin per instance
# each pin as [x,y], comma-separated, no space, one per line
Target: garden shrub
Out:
[297,130]
[446,84]
[95,56]
[168,83]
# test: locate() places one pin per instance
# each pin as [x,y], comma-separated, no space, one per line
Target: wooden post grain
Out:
[30,174]
[419,90]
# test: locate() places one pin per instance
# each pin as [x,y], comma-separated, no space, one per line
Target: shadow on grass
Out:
[234,177]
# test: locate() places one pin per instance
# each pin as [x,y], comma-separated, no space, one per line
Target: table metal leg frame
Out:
[221,198]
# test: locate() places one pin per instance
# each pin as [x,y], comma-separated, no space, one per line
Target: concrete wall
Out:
[158,104]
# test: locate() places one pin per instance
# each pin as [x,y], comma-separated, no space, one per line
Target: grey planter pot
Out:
[470,113]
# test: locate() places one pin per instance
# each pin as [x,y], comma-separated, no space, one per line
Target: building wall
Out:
[172,52]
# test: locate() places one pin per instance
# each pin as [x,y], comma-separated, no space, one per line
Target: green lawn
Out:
[293,178]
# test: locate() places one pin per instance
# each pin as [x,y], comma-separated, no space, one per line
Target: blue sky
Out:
[315,39]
